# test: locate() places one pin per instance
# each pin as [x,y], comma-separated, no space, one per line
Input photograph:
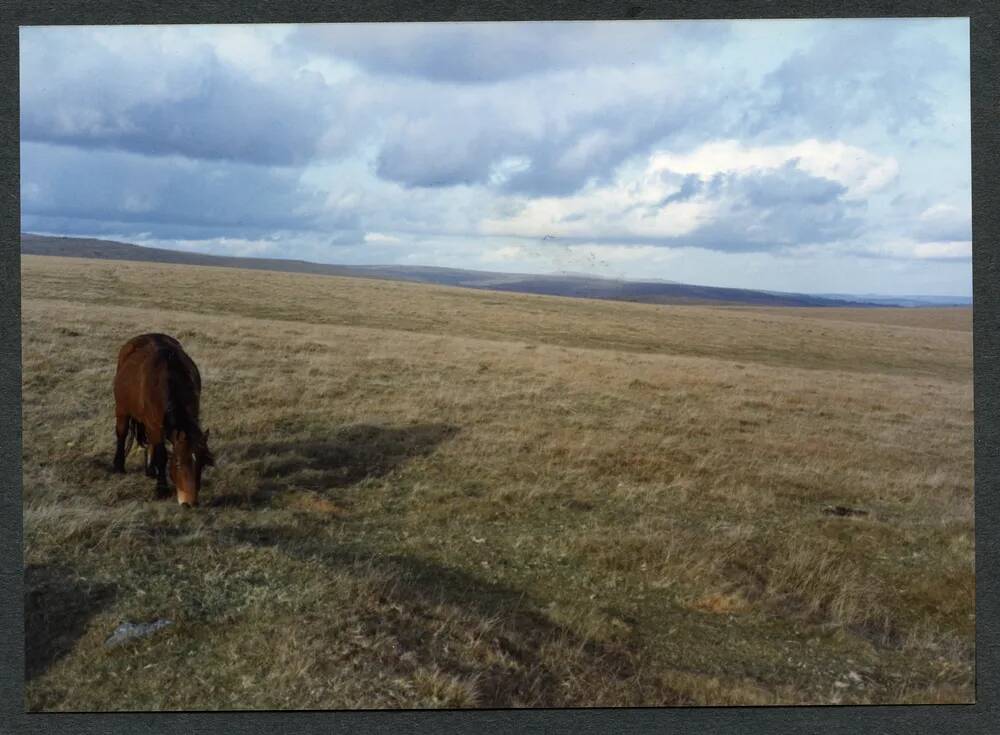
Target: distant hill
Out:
[904,300]
[574,285]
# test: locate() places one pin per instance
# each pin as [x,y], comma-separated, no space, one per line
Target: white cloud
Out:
[381,238]
[504,254]
[233,246]
[501,171]
[954,249]
[917,250]
[944,221]
[859,171]
[638,203]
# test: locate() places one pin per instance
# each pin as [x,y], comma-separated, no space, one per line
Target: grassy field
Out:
[433,497]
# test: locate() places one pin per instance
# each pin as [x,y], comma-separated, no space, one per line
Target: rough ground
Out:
[435,497]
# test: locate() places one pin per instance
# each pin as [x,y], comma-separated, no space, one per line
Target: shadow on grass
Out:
[350,455]
[57,608]
[446,620]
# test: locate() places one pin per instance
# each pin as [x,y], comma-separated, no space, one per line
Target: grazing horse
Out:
[157,392]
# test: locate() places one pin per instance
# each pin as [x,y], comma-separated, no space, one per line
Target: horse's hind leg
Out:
[148,459]
[147,450]
[121,432]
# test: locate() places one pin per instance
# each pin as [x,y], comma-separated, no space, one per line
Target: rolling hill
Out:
[573,285]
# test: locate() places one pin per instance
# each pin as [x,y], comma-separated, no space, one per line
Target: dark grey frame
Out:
[981,717]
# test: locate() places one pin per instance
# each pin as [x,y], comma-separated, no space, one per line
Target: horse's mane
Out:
[182,394]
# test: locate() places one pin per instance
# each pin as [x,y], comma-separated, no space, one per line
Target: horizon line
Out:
[563,273]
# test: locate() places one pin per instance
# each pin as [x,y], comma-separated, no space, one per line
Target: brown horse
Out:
[157,392]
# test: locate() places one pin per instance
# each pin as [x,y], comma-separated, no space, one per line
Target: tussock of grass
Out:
[428,497]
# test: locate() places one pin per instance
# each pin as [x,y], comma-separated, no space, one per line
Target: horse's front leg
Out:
[121,432]
[156,443]
[160,470]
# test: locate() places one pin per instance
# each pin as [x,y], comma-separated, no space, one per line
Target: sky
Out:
[812,156]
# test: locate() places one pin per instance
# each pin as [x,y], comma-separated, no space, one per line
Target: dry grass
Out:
[958,319]
[434,497]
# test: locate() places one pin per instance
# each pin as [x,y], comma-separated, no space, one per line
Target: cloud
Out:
[382,238]
[477,53]
[163,94]
[721,196]
[570,145]
[547,136]
[905,248]
[690,185]
[169,194]
[504,254]
[944,222]
[882,70]
[860,172]
[231,246]
[771,209]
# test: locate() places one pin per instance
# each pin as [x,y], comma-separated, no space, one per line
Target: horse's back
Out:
[150,366]
[147,343]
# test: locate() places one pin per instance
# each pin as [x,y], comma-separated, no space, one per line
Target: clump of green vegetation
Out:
[432,497]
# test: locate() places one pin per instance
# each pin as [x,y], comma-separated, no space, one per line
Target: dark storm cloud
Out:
[169,195]
[474,53]
[78,92]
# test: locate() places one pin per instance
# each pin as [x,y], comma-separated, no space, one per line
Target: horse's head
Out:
[191,455]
